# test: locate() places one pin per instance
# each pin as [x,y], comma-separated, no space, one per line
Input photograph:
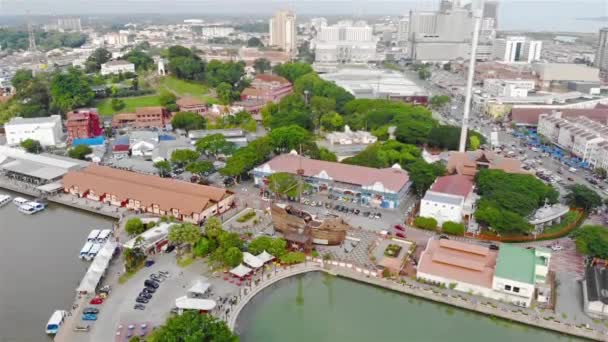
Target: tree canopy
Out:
[80,152]
[448,137]
[188,121]
[134,226]
[214,145]
[185,233]
[183,157]
[592,240]
[293,70]
[284,184]
[31,146]
[261,65]
[192,326]
[580,196]
[140,59]
[98,57]
[70,90]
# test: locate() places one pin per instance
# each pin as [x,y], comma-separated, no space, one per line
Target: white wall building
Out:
[450,198]
[216,31]
[508,88]
[346,42]
[283,31]
[116,38]
[349,137]
[517,49]
[47,130]
[116,67]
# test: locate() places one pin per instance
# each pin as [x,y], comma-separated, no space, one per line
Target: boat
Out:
[93,252]
[52,327]
[104,235]
[31,207]
[93,235]
[85,250]
[4,199]
[19,201]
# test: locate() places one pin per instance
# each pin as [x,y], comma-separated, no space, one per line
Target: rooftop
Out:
[516,263]
[596,281]
[457,185]
[459,261]
[530,116]
[41,120]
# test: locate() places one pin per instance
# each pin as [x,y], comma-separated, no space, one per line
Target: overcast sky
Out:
[513,14]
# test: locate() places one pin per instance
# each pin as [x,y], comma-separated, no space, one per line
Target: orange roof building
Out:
[468,163]
[266,87]
[146,193]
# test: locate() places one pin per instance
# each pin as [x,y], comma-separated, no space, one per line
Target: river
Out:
[320,307]
[39,266]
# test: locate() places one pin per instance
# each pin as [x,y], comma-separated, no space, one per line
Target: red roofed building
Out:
[83,123]
[151,117]
[384,188]
[268,88]
[450,198]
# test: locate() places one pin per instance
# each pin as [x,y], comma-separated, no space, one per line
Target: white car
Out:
[556,248]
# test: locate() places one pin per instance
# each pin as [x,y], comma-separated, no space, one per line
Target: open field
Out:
[105,107]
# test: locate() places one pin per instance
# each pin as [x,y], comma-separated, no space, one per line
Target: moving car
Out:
[89,317]
[90,310]
[401,235]
[96,301]
[399,227]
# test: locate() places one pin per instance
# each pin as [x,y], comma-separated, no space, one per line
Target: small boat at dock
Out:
[4,199]
[31,207]
[19,201]
[54,323]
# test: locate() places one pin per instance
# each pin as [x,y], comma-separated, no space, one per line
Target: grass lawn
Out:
[183,88]
[123,278]
[185,261]
[105,107]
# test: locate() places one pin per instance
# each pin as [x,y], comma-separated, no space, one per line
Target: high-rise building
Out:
[283,31]
[317,23]
[601,55]
[69,24]
[403,29]
[517,49]
[346,42]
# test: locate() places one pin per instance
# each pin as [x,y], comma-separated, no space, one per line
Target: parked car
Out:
[149,290]
[81,328]
[142,300]
[90,310]
[399,227]
[494,247]
[443,236]
[89,317]
[146,295]
[399,234]
[139,307]
[151,283]
[96,301]
[556,248]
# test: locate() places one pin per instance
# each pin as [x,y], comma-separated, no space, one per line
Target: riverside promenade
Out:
[64,199]
[411,287]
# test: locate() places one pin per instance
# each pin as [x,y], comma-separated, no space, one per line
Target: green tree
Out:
[254,42]
[439,101]
[214,144]
[332,122]
[31,146]
[453,228]
[163,167]
[21,79]
[423,175]
[474,142]
[184,234]
[134,258]
[292,71]
[117,104]
[284,184]
[213,228]
[96,59]
[80,152]
[203,247]
[32,98]
[261,65]
[200,168]
[134,226]
[224,93]
[233,257]
[285,139]
[321,106]
[188,121]
[224,72]
[70,90]
[260,244]
[140,59]
[424,73]
[592,240]
[291,258]
[327,155]
[428,223]
[166,98]
[580,196]
[183,157]
[192,326]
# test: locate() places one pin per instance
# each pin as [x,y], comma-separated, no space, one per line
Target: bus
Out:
[85,249]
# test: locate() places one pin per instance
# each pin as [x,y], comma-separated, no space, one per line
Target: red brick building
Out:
[151,117]
[268,88]
[83,123]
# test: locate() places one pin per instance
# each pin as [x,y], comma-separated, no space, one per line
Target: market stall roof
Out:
[51,187]
[265,257]
[241,271]
[252,260]
[91,279]
[186,303]
[200,287]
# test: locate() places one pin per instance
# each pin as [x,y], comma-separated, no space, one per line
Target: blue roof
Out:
[100,140]
[166,137]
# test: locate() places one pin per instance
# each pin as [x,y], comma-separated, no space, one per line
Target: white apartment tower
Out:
[283,31]
[517,49]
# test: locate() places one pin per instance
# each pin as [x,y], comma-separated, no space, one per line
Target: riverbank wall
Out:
[63,199]
[413,288]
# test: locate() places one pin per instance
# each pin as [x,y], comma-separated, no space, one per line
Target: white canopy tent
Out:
[198,289]
[265,257]
[241,271]
[251,260]
[185,303]
[98,267]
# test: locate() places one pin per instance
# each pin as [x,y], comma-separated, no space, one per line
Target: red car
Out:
[96,301]
[401,235]
[399,227]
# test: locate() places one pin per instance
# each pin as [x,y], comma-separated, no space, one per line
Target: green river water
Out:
[319,307]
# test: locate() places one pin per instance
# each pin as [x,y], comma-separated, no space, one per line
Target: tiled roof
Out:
[454,185]
[529,116]
[189,101]
[463,262]
[167,193]
[149,110]
[391,178]
[516,263]
[271,78]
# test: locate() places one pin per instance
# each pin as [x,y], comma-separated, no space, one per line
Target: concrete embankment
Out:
[480,305]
